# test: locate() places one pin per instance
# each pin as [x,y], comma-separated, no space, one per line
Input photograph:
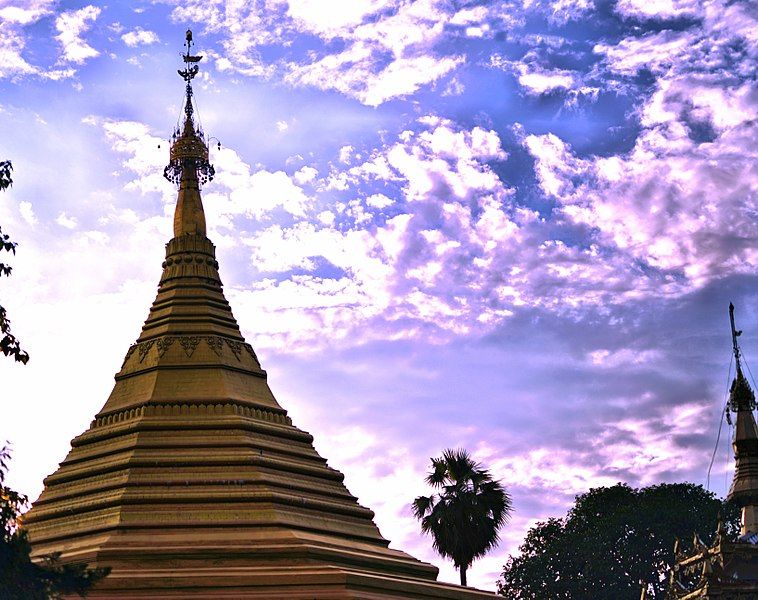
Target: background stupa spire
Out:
[189,166]
[744,490]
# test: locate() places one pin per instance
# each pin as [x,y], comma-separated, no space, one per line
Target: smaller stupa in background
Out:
[728,570]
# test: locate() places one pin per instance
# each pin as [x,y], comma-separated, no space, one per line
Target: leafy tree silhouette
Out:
[20,578]
[9,345]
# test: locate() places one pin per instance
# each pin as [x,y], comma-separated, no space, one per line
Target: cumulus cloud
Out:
[244,26]
[387,58]
[356,78]
[387,50]
[654,51]
[677,206]
[335,18]
[147,155]
[29,12]
[66,221]
[140,37]
[12,63]
[681,201]
[13,41]
[457,255]
[27,212]
[659,9]
[536,79]
[71,25]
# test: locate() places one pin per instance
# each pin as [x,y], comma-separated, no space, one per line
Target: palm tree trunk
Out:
[463,575]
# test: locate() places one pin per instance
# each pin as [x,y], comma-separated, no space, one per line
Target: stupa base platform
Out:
[244,563]
[290,583]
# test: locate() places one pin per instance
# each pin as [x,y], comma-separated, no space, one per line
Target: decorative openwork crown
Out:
[188,149]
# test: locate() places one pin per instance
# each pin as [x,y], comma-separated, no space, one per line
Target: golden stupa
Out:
[192,480]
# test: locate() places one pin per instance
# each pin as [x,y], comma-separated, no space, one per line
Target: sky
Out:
[511,226]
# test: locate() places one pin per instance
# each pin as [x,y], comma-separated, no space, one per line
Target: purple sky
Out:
[511,226]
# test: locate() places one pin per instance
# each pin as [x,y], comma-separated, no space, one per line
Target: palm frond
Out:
[422,505]
[465,516]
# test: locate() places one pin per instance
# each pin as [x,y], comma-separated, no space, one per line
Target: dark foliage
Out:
[22,579]
[9,345]
[612,540]
[464,518]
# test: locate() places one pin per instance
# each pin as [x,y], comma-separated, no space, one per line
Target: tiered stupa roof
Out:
[192,480]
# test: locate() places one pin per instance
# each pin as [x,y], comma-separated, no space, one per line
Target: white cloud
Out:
[246,26]
[659,9]
[140,37]
[536,79]
[346,153]
[672,203]
[355,72]
[305,175]
[71,25]
[458,258]
[13,39]
[650,449]
[406,76]
[27,212]
[12,63]
[148,154]
[561,11]
[625,357]
[655,51]
[681,200]
[65,221]
[388,49]
[30,12]
[379,201]
[470,16]
[254,194]
[333,18]
[546,81]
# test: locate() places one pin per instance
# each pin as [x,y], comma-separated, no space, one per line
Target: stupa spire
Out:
[744,490]
[189,166]
[727,568]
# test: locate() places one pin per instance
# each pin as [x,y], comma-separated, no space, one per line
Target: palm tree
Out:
[466,514]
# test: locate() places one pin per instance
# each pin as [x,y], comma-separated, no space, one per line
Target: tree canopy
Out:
[464,518]
[611,541]
[20,578]
[9,345]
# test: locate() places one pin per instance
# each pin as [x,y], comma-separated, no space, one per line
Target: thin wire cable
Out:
[748,367]
[197,111]
[721,424]
[727,458]
[715,449]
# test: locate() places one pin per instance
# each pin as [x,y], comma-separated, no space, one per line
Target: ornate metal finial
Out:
[189,151]
[735,335]
[188,73]
[741,397]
